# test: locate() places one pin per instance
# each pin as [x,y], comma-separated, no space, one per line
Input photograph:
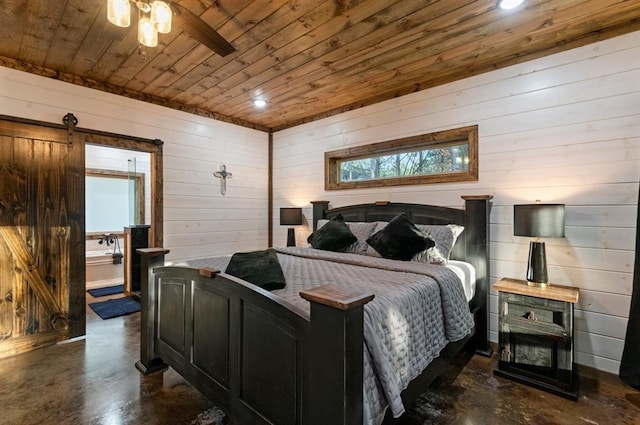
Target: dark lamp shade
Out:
[291,216]
[539,220]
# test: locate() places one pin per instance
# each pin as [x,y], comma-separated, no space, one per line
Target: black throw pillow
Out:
[335,235]
[400,239]
[261,268]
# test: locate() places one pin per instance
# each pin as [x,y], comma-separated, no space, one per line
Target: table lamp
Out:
[539,221]
[291,217]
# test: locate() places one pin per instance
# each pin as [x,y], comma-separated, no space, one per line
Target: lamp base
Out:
[291,237]
[537,266]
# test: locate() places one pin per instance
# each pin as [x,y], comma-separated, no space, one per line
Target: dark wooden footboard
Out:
[251,353]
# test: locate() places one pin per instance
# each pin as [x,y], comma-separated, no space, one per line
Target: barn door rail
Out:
[70,121]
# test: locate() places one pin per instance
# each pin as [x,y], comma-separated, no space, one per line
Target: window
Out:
[113,200]
[441,157]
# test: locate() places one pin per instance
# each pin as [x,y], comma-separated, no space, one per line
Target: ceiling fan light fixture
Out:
[156,16]
[509,4]
[161,16]
[119,12]
[147,34]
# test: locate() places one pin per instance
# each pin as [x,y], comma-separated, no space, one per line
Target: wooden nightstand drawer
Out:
[538,314]
[536,336]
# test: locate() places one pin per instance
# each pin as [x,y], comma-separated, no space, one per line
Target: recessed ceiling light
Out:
[509,4]
[259,103]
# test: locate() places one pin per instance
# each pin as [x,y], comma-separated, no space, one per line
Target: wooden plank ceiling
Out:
[308,58]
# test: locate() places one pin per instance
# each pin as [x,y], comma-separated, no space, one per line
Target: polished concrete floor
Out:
[475,396]
[94,381]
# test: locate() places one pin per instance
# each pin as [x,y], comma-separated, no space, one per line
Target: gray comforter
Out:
[417,309]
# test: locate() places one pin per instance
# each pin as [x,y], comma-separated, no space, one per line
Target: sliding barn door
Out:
[41,236]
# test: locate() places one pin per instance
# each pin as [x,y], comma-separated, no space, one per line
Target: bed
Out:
[269,358]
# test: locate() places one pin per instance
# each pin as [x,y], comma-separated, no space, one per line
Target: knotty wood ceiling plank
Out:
[162,62]
[293,21]
[14,17]
[566,24]
[41,24]
[75,23]
[94,44]
[338,17]
[127,49]
[415,27]
[309,86]
[196,57]
[116,54]
[135,63]
[198,80]
[440,49]
[178,47]
[180,68]
[167,68]
[308,58]
[340,29]
[182,43]
[427,51]
[440,65]
[212,63]
[376,33]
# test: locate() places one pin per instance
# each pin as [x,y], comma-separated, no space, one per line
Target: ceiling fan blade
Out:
[200,30]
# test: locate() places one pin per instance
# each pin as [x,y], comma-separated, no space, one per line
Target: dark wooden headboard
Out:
[472,246]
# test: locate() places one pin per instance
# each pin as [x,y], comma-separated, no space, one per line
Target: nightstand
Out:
[536,336]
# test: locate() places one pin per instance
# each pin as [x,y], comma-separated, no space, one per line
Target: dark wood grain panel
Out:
[42,236]
[172,307]
[6,292]
[270,354]
[211,314]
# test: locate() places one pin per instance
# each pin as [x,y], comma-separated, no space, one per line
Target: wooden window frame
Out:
[140,195]
[467,134]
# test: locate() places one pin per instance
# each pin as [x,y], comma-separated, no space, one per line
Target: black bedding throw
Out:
[630,363]
[258,267]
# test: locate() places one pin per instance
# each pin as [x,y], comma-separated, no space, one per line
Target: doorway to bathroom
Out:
[123,180]
[117,196]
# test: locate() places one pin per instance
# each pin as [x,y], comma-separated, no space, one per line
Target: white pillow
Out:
[444,236]
[362,230]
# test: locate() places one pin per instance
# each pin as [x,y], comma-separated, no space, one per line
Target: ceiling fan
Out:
[156,16]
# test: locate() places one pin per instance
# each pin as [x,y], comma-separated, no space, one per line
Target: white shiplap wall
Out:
[564,128]
[199,221]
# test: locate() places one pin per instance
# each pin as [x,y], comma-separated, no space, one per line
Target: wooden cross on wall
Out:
[222,175]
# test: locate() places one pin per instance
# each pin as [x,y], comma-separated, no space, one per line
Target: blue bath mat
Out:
[107,290]
[115,307]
